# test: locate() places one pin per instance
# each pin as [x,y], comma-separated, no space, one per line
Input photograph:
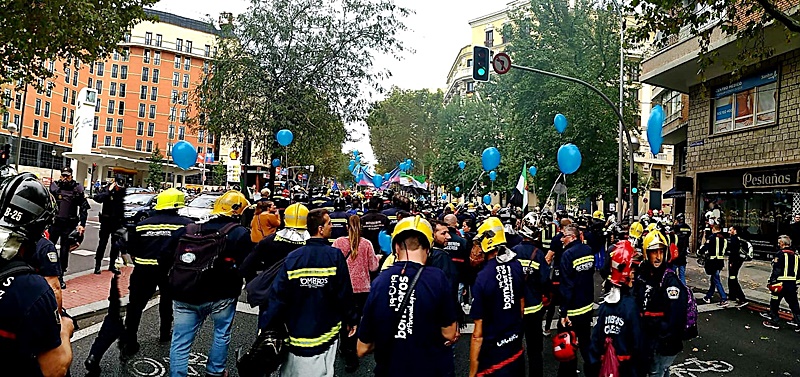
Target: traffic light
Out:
[634,183]
[5,154]
[480,63]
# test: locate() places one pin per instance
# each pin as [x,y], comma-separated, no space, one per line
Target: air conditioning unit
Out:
[669,170]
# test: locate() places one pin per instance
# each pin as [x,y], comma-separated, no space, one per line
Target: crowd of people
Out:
[399,277]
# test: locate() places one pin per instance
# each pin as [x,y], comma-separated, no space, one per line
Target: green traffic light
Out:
[481,71]
[634,190]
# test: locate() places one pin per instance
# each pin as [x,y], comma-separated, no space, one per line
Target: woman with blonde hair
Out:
[361,260]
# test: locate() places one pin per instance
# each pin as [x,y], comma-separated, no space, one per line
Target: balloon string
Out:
[553,189]
[477,180]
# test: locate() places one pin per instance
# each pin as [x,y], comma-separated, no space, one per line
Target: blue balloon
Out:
[487,199]
[560,122]
[490,158]
[355,153]
[408,161]
[655,124]
[458,189]
[352,165]
[184,154]
[444,196]
[377,180]
[284,137]
[462,165]
[569,158]
[532,170]
[385,242]
[359,177]
[386,176]
[492,175]
[276,162]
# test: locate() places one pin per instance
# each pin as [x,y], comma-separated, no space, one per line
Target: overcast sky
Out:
[437,31]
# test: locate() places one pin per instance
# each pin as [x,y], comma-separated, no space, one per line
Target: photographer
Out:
[72,210]
[112,218]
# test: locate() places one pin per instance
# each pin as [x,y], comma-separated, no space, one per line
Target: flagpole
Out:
[551,193]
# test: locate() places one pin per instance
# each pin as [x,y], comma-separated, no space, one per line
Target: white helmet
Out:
[529,228]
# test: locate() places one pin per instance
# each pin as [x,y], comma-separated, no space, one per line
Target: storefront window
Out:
[763,215]
[746,103]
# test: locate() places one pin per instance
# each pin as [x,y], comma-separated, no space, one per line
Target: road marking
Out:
[84,252]
[93,329]
[692,367]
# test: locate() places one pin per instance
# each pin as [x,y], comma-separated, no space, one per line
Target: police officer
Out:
[152,245]
[715,248]
[684,232]
[783,283]
[35,336]
[73,210]
[537,277]
[112,217]
[274,247]
[338,219]
[577,293]
[373,222]
[496,344]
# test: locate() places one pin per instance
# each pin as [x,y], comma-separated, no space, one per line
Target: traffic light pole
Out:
[616,111]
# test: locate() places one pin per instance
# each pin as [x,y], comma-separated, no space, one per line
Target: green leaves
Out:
[155,171]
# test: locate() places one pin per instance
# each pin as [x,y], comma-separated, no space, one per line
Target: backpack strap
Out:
[14,268]
[227,228]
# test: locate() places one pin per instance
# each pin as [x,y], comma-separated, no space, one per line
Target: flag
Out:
[335,185]
[520,195]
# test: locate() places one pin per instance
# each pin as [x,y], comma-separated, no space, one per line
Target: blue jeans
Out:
[715,282]
[188,319]
[681,273]
[660,365]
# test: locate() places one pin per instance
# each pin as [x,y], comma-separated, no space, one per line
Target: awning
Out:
[673,193]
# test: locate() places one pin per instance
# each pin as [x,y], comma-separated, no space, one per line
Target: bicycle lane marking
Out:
[691,365]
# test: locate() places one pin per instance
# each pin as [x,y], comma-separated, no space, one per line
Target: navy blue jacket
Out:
[577,280]
[113,203]
[313,296]
[620,322]
[391,214]
[662,301]
[537,274]
[338,225]
[155,238]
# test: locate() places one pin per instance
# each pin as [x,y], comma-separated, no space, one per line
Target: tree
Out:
[219,174]
[32,32]
[155,170]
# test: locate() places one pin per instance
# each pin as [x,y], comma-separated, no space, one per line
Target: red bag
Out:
[609,366]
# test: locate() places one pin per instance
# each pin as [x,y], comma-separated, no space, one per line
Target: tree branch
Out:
[780,16]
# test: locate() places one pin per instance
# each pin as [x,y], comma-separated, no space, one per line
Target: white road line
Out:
[84,252]
[93,329]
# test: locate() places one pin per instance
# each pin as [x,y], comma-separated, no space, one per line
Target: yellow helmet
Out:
[171,198]
[651,227]
[491,234]
[598,215]
[636,230]
[231,203]
[296,216]
[654,240]
[415,224]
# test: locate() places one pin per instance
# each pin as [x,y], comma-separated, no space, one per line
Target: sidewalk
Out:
[87,293]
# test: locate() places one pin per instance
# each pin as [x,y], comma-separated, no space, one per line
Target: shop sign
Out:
[781,177]
[745,84]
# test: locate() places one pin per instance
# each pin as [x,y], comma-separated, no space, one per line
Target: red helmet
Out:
[621,263]
[565,345]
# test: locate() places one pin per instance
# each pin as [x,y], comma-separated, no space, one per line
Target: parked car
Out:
[136,190]
[200,207]
[138,207]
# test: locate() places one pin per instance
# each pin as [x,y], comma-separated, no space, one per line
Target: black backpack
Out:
[14,268]
[196,259]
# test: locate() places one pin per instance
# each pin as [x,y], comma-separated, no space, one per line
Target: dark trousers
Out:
[789,293]
[60,232]
[582,326]
[107,229]
[533,342]
[735,291]
[347,344]
[144,280]
[112,326]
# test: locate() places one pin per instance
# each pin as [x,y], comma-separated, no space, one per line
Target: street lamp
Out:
[621,126]
[12,127]
[52,161]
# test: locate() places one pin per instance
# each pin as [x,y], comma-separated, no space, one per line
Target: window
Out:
[655,183]
[469,62]
[111,106]
[185,97]
[63,114]
[109,124]
[177,62]
[72,97]
[38,109]
[116,55]
[179,44]
[36,127]
[489,38]
[100,68]
[139,128]
[45,129]
[51,66]
[61,133]
[18,99]
[98,85]
[200,135]
[172,114]
[183,115]
[112,89]
[126,37]
[169,148]
[121,110]
[174,96]
[207,51]
[205,67]
[138,145]
[670,101]
[176,78]
[470,86]
[114,71]
[151,129]
[153,93]
[120,126]
[210,138]
[118,142]
[96,123]
[94,141]
[16,119]
[171,133]
[108,141]
[90,83]
[72,116]
[145,74]
[149,146]
[189,46]
[143,92]
[122,90]
[181,132]
[148,38]
[152,111]
[97,106]
[158,40]
[185,80]
[49,89]
[157,58]
[123,72]
[747,103]
[142,108]
[66,75]
[156,72]
[47,109]
[187,63]
[126,54]
[7,97]
[6,117]
[146,56]
[75,77]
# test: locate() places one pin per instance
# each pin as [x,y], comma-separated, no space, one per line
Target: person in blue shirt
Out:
[414,340]
[497,307]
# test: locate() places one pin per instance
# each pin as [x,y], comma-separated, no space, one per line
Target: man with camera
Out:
[112,218]
[72,210]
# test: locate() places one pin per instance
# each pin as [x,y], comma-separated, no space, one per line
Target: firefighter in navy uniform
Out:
[683,231]
[548,229]
[783,284]
[496,345]
[338,219]
[152,245]
[112,218]
[577,293]
[537,277]
[320,200]
[273,248]
[34,333]
[72,212]
[373,222]
[391,212]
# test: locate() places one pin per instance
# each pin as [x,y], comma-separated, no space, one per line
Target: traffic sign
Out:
[501,63]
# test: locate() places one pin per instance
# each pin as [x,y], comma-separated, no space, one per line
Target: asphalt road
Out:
[82,259]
